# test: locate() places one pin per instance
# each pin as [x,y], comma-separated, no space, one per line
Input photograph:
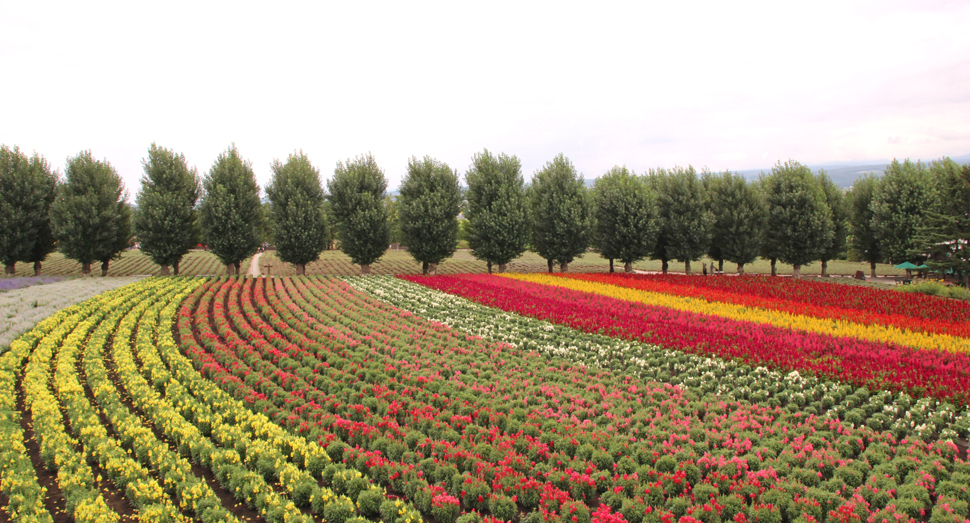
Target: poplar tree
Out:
[561,213]
[684,217]
[90,218]
[428,211]
[297,220]
[945,234]
[738,209]
[902,199]
[657,180]
[166,224]
[357,192]
[498,211]
[230,211]
[798,225]
[863,241]
[839,207]
[27,190]
[626,217]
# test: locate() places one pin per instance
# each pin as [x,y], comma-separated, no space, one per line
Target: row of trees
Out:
[790,214]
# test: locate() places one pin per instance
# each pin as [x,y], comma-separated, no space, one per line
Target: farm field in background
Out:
[133,262]
[336,263]
[538,399]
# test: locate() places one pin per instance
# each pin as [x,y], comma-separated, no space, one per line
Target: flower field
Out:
[474,398]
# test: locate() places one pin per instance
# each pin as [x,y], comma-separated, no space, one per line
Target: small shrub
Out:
[502,507]
[369,502]
[339,510]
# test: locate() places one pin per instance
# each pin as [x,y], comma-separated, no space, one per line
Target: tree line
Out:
[914,212]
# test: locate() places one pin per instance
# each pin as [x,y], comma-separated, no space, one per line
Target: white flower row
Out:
[926,418]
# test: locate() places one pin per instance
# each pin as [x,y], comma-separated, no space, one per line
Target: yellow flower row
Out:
[837,328]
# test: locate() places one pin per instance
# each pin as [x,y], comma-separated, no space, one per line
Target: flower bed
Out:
[817,300]
[873,365]
[459,425]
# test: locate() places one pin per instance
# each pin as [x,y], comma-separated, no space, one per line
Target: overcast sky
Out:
[726,85]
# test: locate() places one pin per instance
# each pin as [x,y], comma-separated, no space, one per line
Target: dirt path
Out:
[254,265]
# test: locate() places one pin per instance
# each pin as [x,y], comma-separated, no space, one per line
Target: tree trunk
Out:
[104,268]
[164,271]
[872,269]
[687,267]
[796,271]
[433,269]
[175,267]
[365,268]
[501,267]
[720,265]
[37,268]
[774,269]
[85,269]
[563,266]
[10,270]
[663,265]
[825,268]
[489,267]
[740,269]
[300,269]
[230,269]
[628,267]
[238,269]
[549,263]
[611,265]
[424,267]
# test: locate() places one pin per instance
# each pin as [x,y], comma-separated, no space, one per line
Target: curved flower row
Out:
[839,328]
[59,449]
[803,304]
[457,424]
[924,418]
[351,493]
[861,299]
[877,366]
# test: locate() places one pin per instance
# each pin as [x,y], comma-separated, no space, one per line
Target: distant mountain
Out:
[844,174]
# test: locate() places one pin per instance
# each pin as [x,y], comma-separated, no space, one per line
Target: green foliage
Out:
[498,214]
[27,190]
[863,242]
[626,216]
[296,212]
[900,203]
[799,222]
[166,221]
[393,204]
[90,218]
[357,192]
[945,233]
[685,221]
[502,507]
[839,207]
[428,213]
[938,289]
[230,210]
[561,212]
[738,209]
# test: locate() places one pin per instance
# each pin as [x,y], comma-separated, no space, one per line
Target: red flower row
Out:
[914,312]
[877,366]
